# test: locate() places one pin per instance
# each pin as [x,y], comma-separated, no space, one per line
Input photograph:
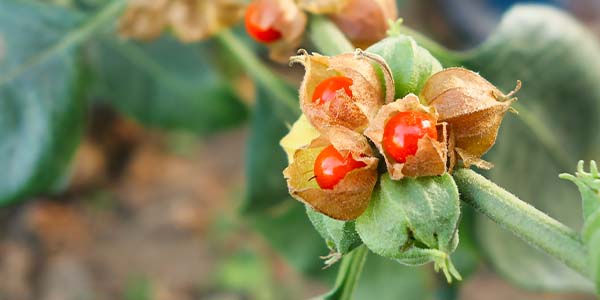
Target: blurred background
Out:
[150,209]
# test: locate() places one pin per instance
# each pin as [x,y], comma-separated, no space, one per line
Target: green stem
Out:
[522,219]
[327,37]
[71,39]
[348,275]
[258,71]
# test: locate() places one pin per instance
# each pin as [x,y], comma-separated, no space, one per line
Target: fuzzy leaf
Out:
[340,236]
[413,221]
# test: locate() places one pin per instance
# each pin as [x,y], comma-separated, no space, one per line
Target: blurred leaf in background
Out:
[41,108]
[165,83]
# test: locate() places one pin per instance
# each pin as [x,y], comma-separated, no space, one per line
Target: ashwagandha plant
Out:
[378,142]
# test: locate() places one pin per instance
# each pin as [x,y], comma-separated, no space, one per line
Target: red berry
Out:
[403,132]
[327,88]
[331,167]
[256,30]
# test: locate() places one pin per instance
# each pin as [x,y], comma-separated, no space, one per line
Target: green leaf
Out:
[41,111]
[165,83]
[289,231]
[559,115]
[411,64]
[340,236]
[265,185]
[382,279]
[413,221]
[379,278]
[588,184]
[348,275]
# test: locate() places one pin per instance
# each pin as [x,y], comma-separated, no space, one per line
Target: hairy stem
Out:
[348,275]
[522,219]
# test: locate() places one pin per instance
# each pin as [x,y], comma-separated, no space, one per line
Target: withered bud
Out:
[351,110]
[472,107]
[288,19]
[350,197]
[191,20]
[365,22]
[430,158]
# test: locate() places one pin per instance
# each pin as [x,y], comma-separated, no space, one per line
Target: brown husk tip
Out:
[350,197]
[431,155]
[472,107]
[365,22]
[350,112]
[286,17]
[322,6]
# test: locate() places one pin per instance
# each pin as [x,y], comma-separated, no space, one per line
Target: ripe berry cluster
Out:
[352,120]
[400,138]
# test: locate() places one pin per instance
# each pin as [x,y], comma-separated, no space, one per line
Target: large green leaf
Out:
[41,115]
[164,83]
[558,62]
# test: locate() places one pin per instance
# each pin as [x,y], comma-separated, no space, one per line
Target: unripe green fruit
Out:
[411,64]
[413,221]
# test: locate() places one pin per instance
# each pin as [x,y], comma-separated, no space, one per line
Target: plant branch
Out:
[348,275]
[259,72]
[522,219]
[327,37]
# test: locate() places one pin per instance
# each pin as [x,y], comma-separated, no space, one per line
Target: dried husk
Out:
[322,6]
[350,197]
[190,20]
[365,22]
[286,17]
[350,112]
[472,107]
[144,19]
[431,155]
